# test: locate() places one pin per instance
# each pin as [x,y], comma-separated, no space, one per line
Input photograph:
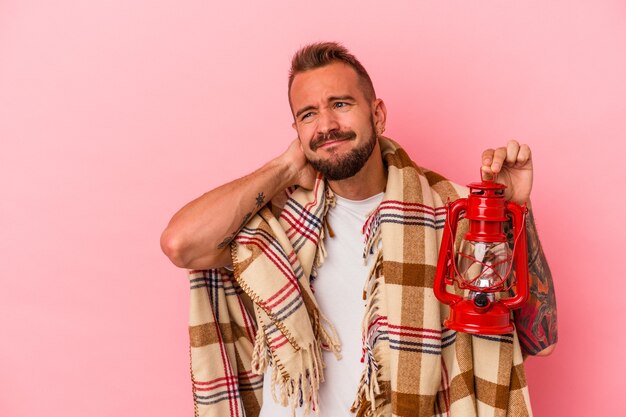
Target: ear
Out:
[380,115]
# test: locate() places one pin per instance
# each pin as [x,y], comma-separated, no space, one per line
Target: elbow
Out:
[546,352]
[188,254]
[172,246]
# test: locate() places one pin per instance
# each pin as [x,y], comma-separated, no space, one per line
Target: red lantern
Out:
[482,266]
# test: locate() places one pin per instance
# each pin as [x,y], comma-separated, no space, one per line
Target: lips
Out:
[331,142]
[331,138]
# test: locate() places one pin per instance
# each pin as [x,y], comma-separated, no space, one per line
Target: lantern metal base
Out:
[467,318]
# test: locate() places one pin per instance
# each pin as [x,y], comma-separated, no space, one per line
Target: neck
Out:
[369,181]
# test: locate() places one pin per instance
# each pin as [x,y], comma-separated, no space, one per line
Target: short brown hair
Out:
[317,55]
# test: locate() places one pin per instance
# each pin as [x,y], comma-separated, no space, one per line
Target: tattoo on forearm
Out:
[230,237]
[536,321]
[260,199]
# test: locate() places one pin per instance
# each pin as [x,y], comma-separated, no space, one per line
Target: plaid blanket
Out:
[265,314]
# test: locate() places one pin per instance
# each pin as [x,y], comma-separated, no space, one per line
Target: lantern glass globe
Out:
[483,266]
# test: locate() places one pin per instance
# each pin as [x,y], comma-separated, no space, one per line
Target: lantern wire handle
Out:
[482,176]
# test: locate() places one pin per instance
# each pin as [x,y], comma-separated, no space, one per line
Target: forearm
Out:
[198,235]
[536,321]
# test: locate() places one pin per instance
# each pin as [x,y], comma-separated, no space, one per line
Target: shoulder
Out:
[442,186]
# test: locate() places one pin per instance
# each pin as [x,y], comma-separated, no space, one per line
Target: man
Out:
[342,179]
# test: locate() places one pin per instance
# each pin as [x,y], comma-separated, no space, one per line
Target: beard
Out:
[342,167]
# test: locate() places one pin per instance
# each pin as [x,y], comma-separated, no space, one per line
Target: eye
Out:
[340,104]
[306,116]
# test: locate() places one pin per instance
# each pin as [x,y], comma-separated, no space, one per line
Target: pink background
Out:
[113,114]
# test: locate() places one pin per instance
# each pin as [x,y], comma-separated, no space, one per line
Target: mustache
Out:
[330,136]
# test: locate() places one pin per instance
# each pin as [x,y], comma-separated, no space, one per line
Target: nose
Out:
[326,122]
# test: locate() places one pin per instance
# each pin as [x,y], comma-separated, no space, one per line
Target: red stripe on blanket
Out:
[298,226]
[213,381]
[406,330]
[287,286]
[415,329]
[287,272]
[405,204]
[316,187]
[278,341]
[380,319]
[406,209]
[418,335]
[225,384]
[250,329]
[230,381]
[292,258]
[248,375]
[280,344]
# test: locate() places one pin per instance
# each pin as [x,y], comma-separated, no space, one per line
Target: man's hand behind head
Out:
[302,172]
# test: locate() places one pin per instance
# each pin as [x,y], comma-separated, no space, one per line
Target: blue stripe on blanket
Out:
[266,237]
[251,387]
[430,352]
[299,211]
[212,281]
[404,345]
[229,289]
[286,311]
[419,344]
[315,221]
[215,398]
[270,329]
[234,392]
[426,218]
[448,340]
[411,223]
[505,338]
[282,314]
[274,244]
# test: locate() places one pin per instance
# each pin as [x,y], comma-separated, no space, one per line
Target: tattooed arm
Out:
[536,321]
[199,234]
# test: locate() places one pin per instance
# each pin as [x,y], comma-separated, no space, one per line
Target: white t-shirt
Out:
[339,292]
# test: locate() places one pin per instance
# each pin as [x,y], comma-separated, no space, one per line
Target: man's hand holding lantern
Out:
[514,168]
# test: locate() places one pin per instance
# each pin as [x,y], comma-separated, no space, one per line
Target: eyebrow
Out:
[339,98]
[304,109]
[330,99]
